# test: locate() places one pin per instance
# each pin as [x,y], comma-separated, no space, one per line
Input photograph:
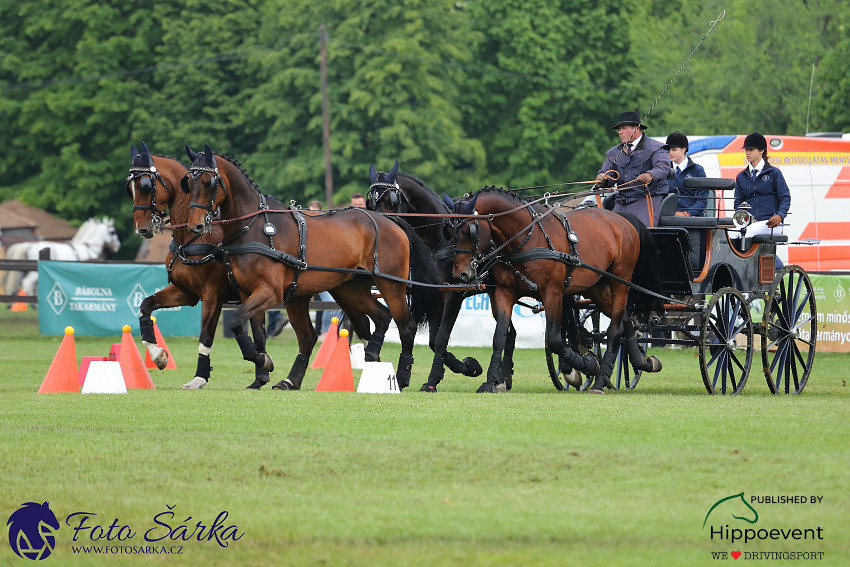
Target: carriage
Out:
[724,296]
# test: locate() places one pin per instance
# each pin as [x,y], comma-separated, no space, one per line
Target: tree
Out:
[831,109]
[394,74]
[553,76]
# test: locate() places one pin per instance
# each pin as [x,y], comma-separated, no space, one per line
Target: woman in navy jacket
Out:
[764,188]
[690,202]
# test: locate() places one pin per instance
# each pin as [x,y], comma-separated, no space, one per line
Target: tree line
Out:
[463,93]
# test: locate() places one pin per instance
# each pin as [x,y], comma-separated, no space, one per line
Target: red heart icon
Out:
[735,554]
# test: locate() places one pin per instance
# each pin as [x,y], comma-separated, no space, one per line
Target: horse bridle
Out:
[148,177]
[215,181]
[397,197]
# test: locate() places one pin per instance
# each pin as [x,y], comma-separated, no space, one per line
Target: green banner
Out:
[832,293]
[100,298]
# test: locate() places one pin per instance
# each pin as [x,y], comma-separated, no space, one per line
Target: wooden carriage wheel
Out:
[724,363]
[789,331]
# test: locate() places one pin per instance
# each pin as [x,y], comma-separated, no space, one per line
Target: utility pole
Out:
[326,126]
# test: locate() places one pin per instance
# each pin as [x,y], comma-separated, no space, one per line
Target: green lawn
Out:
[531,477]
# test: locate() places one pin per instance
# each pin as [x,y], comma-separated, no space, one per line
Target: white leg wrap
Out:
[195,384]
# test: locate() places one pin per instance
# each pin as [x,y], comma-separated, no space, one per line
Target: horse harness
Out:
[491,256]
[148,177]
[398,200]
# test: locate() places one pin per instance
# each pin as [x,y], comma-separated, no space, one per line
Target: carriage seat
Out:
[713,184]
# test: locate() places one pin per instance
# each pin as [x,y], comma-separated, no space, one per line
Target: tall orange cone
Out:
[337,376]
[19,305]
[132,366]
[160,342]
[62,374]
[328,345]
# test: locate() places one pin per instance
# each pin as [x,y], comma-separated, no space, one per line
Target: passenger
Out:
[764,188]
[358,200]
[642,164]
[690,202]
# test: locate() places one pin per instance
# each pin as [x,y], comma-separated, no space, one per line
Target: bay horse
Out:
[553,254]
[194,263]
[290,256]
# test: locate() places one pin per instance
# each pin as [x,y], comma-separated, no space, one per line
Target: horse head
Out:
[31,530]
[150,192]
[385,195]
[103,235]
[466,236]
[206,187]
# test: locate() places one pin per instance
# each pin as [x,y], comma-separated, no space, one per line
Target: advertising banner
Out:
[99,298]
[832,294]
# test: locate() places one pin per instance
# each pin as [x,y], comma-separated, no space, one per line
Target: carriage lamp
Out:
[742,217]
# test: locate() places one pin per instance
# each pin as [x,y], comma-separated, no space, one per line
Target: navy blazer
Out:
[768,196]
[693,201]
[649,156]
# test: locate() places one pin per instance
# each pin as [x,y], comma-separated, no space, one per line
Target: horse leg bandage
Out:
[249,352]
[405,364]
[296,374]
[373,347]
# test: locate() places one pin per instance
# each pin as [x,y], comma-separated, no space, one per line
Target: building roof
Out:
[15,214]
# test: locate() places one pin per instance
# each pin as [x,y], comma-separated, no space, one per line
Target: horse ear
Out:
[467,207]
[373,174]
[208,153]
[448,201]
[471,204]
[133,152]
[393,172]
[190,154]
[145,149]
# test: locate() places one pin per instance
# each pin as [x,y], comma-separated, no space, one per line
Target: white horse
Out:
[91,239]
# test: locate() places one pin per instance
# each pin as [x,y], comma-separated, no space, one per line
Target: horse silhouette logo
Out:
[733,499]
[31,530]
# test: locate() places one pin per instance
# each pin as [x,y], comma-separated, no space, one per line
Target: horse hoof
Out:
[428,388]
[502,388]
[195,384]
[486,388]
[284,384]
[596,390]
[256,384]
[268,363]
[161,359]
[656,364]
[471,367]
[372,357]
[573,378]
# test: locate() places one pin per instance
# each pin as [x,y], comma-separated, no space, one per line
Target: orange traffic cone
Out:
[20,305]
[160,342]
[328,345]
[337,376]
[132,367]
[62,374]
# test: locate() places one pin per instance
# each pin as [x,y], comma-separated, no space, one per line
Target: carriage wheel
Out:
[623,369]
[789,331]
[724,363]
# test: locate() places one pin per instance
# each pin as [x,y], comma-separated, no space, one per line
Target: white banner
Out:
[475,325]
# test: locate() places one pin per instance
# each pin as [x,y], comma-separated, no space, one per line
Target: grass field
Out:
[531,477]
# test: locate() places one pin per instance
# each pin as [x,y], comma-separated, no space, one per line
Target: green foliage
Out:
[463,93]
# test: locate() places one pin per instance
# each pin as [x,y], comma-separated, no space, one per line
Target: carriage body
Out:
[732,298]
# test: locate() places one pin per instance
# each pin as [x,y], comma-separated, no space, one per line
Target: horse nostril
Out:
[198,228]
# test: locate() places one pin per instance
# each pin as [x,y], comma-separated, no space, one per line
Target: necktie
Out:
[755,174]
[678,173]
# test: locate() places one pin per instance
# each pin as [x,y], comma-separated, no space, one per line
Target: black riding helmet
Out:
[755,141]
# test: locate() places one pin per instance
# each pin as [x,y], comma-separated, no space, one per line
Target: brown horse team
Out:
[232,242]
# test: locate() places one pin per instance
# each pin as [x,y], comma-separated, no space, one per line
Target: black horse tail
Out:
[423,300]
[646,273]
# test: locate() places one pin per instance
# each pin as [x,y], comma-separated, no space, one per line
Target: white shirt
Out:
[634,143]
[759,167]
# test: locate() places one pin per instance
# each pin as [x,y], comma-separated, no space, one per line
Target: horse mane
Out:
[502,191]
[178,160]
[235,162]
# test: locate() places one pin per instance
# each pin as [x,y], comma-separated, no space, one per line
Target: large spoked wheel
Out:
[789,332]
[724,362]
[623,368]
